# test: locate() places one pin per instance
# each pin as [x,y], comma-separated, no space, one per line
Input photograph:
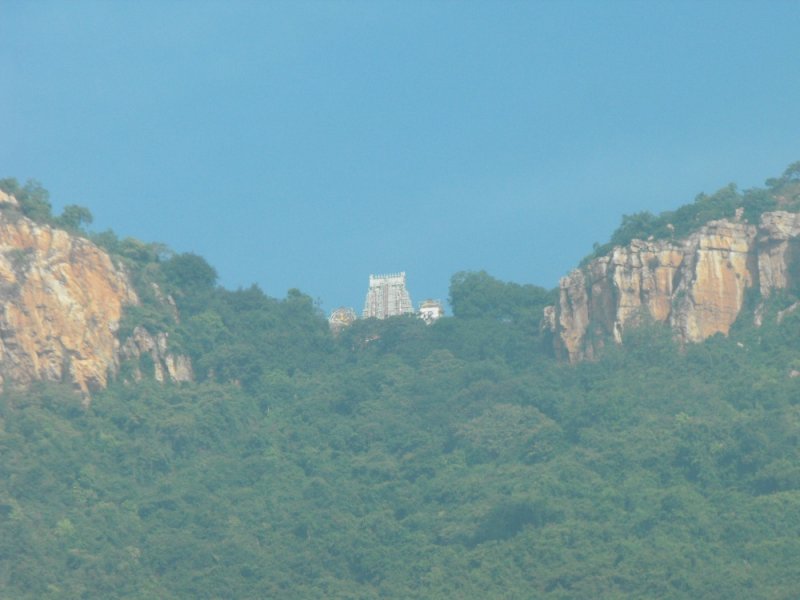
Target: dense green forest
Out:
[400,460]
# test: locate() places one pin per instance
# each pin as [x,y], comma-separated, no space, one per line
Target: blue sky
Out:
[309,144]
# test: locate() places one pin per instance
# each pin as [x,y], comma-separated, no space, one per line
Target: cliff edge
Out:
[61,302]
[697,285]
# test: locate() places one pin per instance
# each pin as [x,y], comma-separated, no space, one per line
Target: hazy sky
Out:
[309,144]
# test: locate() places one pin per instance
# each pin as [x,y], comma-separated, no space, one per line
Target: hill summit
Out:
[698,283]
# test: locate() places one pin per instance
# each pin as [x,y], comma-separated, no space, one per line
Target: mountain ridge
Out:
[696,285]
[695,282]
[65,298]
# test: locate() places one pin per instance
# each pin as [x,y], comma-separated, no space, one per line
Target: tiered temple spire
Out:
[387,296]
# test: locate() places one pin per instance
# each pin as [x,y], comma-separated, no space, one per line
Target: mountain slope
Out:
[400,460]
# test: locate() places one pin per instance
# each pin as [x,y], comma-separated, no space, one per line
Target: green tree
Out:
[189,272]
[75,217]
[34,200]
[476,294]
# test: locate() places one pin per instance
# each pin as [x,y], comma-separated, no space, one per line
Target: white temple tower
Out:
[387,296]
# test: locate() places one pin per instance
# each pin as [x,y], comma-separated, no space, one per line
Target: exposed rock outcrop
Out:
[62,299]
[7,200]
[777,246]
[167,366]
[697,285]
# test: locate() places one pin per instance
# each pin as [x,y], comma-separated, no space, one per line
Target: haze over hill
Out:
[168,430]
[400,459]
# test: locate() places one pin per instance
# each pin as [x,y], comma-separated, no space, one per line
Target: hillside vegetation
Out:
[399,460]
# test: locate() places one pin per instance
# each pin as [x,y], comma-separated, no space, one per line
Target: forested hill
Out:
[399,460]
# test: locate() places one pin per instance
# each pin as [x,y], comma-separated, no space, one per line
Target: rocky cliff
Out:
[61,301]
[697,285]
[167,365]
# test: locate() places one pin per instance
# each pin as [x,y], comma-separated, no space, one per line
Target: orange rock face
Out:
[62,299]
[719,267]
[777,232]
[697,285]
